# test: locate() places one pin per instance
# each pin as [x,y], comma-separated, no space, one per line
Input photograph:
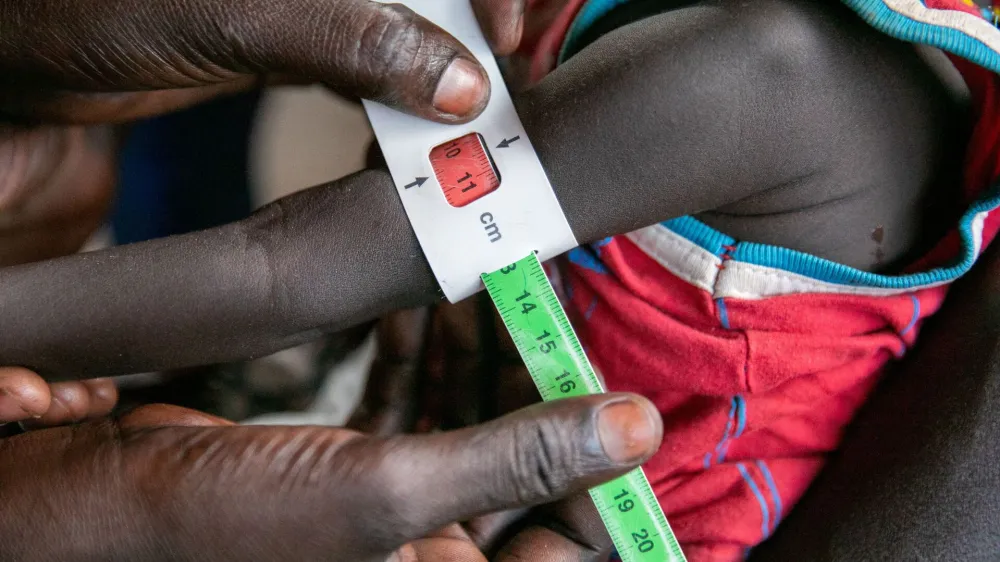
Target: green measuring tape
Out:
[560,368]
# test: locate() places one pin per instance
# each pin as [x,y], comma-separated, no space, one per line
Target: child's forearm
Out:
[318,260]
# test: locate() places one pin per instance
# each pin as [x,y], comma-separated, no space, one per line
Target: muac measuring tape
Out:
[479,201]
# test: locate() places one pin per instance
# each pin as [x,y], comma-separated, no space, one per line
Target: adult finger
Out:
[568,531]
[271,493]
[487,531]
[388,491]
[159,415]
[535,456]
[75,401]
[438,550]
[383,52]
[23,395]
[502,22]
[451,544]
[103,396]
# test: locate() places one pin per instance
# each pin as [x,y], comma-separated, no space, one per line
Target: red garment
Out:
[757,356]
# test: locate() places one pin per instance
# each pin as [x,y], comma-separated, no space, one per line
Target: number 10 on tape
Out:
[560,368]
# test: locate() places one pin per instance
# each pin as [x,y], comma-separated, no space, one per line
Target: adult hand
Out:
[443,367]
[98,60]
[200,489]
[26,397]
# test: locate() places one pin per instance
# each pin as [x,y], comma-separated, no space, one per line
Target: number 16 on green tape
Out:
[560,368]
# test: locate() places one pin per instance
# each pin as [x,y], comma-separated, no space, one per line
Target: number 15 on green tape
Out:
[560,368]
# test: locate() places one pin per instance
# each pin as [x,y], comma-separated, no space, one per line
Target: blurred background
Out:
[215,164]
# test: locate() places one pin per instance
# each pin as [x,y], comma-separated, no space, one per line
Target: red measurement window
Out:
[465,169]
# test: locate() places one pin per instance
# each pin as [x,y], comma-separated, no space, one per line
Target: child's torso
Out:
[760,327]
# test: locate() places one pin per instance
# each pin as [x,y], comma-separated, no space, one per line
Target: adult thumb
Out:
[363,48]
[535,456]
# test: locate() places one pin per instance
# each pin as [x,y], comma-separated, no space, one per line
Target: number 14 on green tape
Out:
[560,368]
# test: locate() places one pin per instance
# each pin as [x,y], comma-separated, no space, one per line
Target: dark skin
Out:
[291,271]
[56,181]
[874,211]
[176,480]
[708,141]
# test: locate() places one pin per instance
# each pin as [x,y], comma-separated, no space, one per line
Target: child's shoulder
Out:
[875,129]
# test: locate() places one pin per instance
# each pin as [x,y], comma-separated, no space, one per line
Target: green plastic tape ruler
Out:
[560,368]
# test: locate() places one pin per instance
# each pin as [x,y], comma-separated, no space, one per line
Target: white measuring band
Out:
[520,217]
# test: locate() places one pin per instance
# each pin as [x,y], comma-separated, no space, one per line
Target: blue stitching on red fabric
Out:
[765,513]
[741,414]
[720,449]
[720,304]
[775,495]
[916,316]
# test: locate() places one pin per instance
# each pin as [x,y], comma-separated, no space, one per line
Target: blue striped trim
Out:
[765,513]
[875,12]
[831,272]
[883,18]
[916,316]
[700,233]
[589,14]
[775,495]
[723,313]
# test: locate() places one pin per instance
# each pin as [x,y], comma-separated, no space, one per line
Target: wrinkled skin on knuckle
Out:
[384,504]
[546,459]
[397,59]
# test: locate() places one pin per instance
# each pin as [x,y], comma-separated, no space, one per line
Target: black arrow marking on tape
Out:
[418,183]
[506,143]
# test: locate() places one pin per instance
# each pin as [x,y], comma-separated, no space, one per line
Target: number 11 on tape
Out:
[552,352]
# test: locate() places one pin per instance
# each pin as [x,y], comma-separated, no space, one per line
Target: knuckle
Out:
[393,503]
[395,44]
[546,461]
[394,39]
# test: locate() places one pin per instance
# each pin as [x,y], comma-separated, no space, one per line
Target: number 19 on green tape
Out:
[560,368]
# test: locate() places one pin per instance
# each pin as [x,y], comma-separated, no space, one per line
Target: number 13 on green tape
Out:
[560,368]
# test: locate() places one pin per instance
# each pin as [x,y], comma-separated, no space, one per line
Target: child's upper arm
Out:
[697,108]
